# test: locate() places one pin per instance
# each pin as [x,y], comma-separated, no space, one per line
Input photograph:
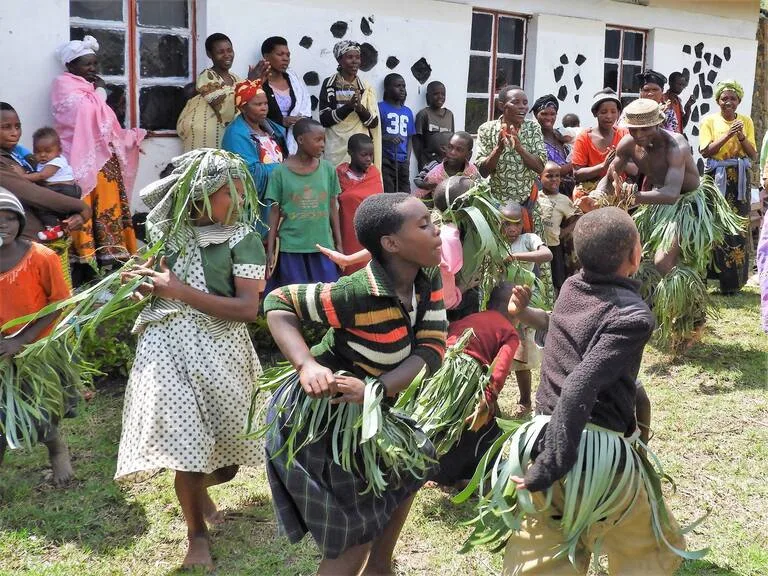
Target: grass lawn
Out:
[710,422]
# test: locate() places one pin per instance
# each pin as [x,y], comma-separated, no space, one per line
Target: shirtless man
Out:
[663,158]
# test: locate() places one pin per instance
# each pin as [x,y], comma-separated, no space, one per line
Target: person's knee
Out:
[226,474]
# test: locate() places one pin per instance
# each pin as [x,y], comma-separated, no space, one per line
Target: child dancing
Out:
[190,388]
[386,321]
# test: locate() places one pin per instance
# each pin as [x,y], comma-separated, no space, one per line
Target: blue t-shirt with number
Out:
[396,121]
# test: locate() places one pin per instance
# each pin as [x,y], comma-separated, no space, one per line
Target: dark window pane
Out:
[160,106]
[511,35]
[476,114]
[612,42]
[626,100]
[116,99]
[479,70]
[482,26]
[611,76]
[111,49]
[163,55]
[629,82]
[163,13]
[97,9]
[508,72]
[633,46]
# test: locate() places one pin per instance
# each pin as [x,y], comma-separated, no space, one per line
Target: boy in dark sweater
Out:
[597,333]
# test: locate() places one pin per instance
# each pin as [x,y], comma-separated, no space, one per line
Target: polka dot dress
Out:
[189,393]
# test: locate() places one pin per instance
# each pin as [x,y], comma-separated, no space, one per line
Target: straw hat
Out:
[643,113]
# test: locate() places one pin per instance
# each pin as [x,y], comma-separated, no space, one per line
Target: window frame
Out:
[620,61]
[494,56]
[131,78]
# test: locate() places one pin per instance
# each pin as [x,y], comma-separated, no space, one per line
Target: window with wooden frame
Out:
[496,59]
[624,60]
[146,55]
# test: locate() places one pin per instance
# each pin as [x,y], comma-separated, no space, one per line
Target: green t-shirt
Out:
[305,204]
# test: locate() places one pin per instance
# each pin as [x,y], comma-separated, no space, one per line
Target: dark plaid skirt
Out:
[316,495]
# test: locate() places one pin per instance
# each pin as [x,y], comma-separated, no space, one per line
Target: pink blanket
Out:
[90,132]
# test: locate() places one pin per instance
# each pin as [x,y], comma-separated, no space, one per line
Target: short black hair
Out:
[604,239]
[675,75]
[378,216]
[571,120]
[213,38]
[5,107]
[391,77]
[434,84]
[438,141]
[500,295]
[305,125]
[467,137]
[271,43]
[357,140]
[46,132]
[454,186]
[505,90]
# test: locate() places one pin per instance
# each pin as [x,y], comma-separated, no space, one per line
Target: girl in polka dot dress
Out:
[188,395]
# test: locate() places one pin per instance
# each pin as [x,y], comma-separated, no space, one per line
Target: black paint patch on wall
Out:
[687,49]
[392,62]
[305,42]
[562,94]
[712,76]
[314,101]
[558,73]
[365,27]
[695,115]
[717,61]
[695,131]
[687,74]
[339,29]
[369,57]
[421,70]
[706,91]
[700,163]
[311,79]
[727,53]
[704,108]
[708,58]
[699,49]
[697,67]
[580,59]
[576,98]
[564,59]
[577,81]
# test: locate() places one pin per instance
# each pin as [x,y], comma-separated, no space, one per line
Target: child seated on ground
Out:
[493,346]
[525,251]
[456,163]
[558,214]
[358,179]
[571,128]
[594,347]
[431,121]
[54,172]
[397,127]
[304,213]
[31,278]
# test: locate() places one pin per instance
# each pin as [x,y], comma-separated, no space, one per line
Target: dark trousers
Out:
[558,266]
[461,461]
[50,219]
[396,175]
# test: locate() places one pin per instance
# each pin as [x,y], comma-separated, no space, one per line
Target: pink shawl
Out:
[90,132]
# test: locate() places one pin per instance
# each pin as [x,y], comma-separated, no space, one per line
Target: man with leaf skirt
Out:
[681,219]
[33,384]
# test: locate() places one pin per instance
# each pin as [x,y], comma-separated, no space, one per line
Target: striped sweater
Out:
[370,331]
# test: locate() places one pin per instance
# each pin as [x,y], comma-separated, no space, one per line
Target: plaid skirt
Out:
[315,495]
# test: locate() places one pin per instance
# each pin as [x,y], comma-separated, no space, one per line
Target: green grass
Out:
[710,422]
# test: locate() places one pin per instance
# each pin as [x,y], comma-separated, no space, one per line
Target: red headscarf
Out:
[246,90]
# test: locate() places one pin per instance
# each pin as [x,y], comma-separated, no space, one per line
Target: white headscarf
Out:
[76,48]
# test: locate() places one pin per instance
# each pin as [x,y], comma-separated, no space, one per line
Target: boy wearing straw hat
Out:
[681,218]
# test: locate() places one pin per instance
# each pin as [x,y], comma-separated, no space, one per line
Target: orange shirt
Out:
[586,154]
[36,281]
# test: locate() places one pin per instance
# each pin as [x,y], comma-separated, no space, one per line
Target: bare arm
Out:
[274,220]
[11,345]
[335,224]
[714,147]
[540,256]
[343,260]
[43,175]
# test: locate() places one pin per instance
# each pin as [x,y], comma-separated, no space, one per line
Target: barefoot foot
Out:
[212,515]
[58,455]
[198,554]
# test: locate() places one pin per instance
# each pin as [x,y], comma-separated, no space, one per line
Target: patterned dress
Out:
[370,334]
[190,388]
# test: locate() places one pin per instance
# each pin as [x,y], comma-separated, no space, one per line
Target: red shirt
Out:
[353,192]
[495,341]
[586,154]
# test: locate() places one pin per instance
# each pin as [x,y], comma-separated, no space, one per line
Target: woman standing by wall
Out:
[727,141]
[348,105]
[545,111]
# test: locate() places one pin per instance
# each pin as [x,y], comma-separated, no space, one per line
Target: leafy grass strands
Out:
[680,302]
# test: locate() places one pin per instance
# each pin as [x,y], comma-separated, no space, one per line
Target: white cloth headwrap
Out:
[76,48]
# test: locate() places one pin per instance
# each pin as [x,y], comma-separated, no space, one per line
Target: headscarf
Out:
[73,49]
[9,202]
[546,101]
[651,77]
[343,47]
[195,176]
[731,85]
[246,90]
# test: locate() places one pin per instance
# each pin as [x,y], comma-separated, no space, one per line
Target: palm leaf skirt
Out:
[605,481]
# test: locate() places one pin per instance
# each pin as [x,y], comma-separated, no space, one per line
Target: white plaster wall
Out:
[28,38]
[550,37]
[157,152]
[665,54]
